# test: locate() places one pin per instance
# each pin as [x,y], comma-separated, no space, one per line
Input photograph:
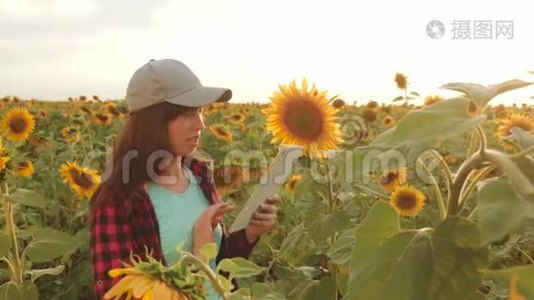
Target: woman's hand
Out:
[205,223]
[263,219]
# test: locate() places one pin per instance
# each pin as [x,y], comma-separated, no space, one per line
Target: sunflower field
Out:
[389,201]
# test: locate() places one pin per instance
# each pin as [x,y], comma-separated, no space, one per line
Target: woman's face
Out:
[184,131]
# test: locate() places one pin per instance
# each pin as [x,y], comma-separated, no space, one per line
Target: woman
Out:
[156,194]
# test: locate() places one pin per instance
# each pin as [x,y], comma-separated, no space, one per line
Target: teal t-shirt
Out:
[176,214]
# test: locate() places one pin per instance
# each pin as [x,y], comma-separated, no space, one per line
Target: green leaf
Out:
[380,223]
[264,291]
[5,244]
[524,275]
[28,198]
[239,267]
[48,244]
[398,98]
[16,291]
[241,294]
[481,94]
[209,251]
[524,139]
[421,264]
[443,119]
[341,250]
[500,211]
[36,273]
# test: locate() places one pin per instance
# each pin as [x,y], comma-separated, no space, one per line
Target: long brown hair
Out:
[144,133]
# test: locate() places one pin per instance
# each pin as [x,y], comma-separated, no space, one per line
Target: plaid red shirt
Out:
[128,225]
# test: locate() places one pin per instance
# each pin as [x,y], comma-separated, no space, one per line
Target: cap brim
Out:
[201,96]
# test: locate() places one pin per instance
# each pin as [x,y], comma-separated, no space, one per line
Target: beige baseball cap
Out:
[171,81]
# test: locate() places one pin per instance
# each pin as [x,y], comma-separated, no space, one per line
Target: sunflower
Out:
[111,109]
[290,185]
[86,110]
[431,99]
[338,103]
[82,180]
[516,120]
[401,80]
[17,124]
[373,105]
[390,179]
[301,117]
[141,286]
[369,115]
[388,121]
[221,133]
[103,119]
[24,169]
[3,162]
[450,159]
[70,134]
[42,113]
[407,200]
[237,118]
[500,112]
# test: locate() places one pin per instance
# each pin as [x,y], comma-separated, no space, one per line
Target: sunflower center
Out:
[22,165]
[406,200]
[390,177]
[304,120]
[221,132]
[18,125]
[81,179]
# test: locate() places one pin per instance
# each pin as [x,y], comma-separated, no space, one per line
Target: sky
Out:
[55,49]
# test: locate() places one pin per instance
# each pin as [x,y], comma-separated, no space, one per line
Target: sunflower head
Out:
[372,105]
[515,120]
[369,115]
[407,200]
[401,80]
[390,179]
[18,124]
[388,121]
[24,169]
[221,133]
[82,180]
[103,119]
[290,185]
[431,99]
[302,116]
[70,134]
[111,108]
[3,162]
[338,103]
[237,118]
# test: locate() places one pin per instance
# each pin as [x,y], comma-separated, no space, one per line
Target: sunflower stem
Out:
[525,254]
[519,155]
[472,214]
[446,170]
[437,192]
[472,184]
[473,162]
[472,144]
[212,277]
[331,208]
[11,227]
